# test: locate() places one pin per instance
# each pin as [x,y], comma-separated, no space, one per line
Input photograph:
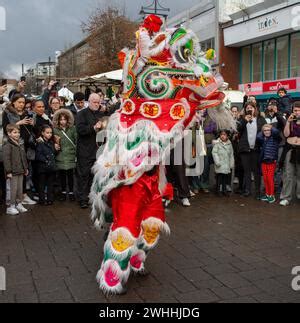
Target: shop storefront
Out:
[269,52]
[265,90]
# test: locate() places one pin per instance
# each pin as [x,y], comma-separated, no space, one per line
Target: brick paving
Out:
[220,251]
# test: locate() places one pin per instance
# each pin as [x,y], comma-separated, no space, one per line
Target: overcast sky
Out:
[35,29]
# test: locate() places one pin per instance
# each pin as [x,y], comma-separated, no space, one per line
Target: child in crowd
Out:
[46,166]
[223,156]
[269,140]
[66,135]
[15,166]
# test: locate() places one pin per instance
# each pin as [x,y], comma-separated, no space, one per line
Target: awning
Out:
[113,75]
[108,78]
[265,97]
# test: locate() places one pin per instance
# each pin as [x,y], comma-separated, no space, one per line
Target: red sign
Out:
[289,85]
[252,88]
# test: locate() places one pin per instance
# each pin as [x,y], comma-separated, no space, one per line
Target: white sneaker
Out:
[192,194]
[284,203]
[186,202]
[228,189]
[21,208]
[28,201]
[12,211]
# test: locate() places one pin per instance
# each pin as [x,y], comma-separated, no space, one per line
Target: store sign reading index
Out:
[267,23]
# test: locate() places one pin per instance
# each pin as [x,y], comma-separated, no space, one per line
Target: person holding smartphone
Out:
[249,126]
[16,114]
[291,170]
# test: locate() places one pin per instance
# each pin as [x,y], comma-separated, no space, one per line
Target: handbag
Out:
[32,143]
[30,154]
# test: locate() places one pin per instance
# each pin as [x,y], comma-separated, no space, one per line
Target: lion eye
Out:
[186,53]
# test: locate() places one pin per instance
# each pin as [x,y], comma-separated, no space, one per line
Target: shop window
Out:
[283,57]
[207,44]
[295,55]
[269,60]
[245,65]
[257,62]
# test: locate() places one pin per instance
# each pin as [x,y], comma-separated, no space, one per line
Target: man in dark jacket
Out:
[285,102]
[274,117]
[78,105]
[88,124]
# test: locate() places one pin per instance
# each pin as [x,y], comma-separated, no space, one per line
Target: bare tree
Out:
[110,31]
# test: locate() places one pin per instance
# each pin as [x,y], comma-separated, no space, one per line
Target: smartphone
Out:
[30,114]
[3,82]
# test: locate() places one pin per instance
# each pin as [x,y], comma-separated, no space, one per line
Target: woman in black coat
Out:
[15,113]
[250,124]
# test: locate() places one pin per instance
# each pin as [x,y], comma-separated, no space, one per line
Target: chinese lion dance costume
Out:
[166,80]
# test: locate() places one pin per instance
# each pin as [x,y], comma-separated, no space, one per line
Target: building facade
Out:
[71,64]
[206,20]
[267,38]
[257,41]
[38,76]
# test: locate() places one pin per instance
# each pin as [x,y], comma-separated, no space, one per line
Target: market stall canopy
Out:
[67,94]
[113,76]
[109,78]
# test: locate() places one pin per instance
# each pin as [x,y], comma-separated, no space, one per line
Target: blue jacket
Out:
[269,146]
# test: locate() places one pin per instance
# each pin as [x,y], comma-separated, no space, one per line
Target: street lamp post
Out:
[156,8]
[49,71]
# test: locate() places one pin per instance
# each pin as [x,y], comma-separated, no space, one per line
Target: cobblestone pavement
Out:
[220,250]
